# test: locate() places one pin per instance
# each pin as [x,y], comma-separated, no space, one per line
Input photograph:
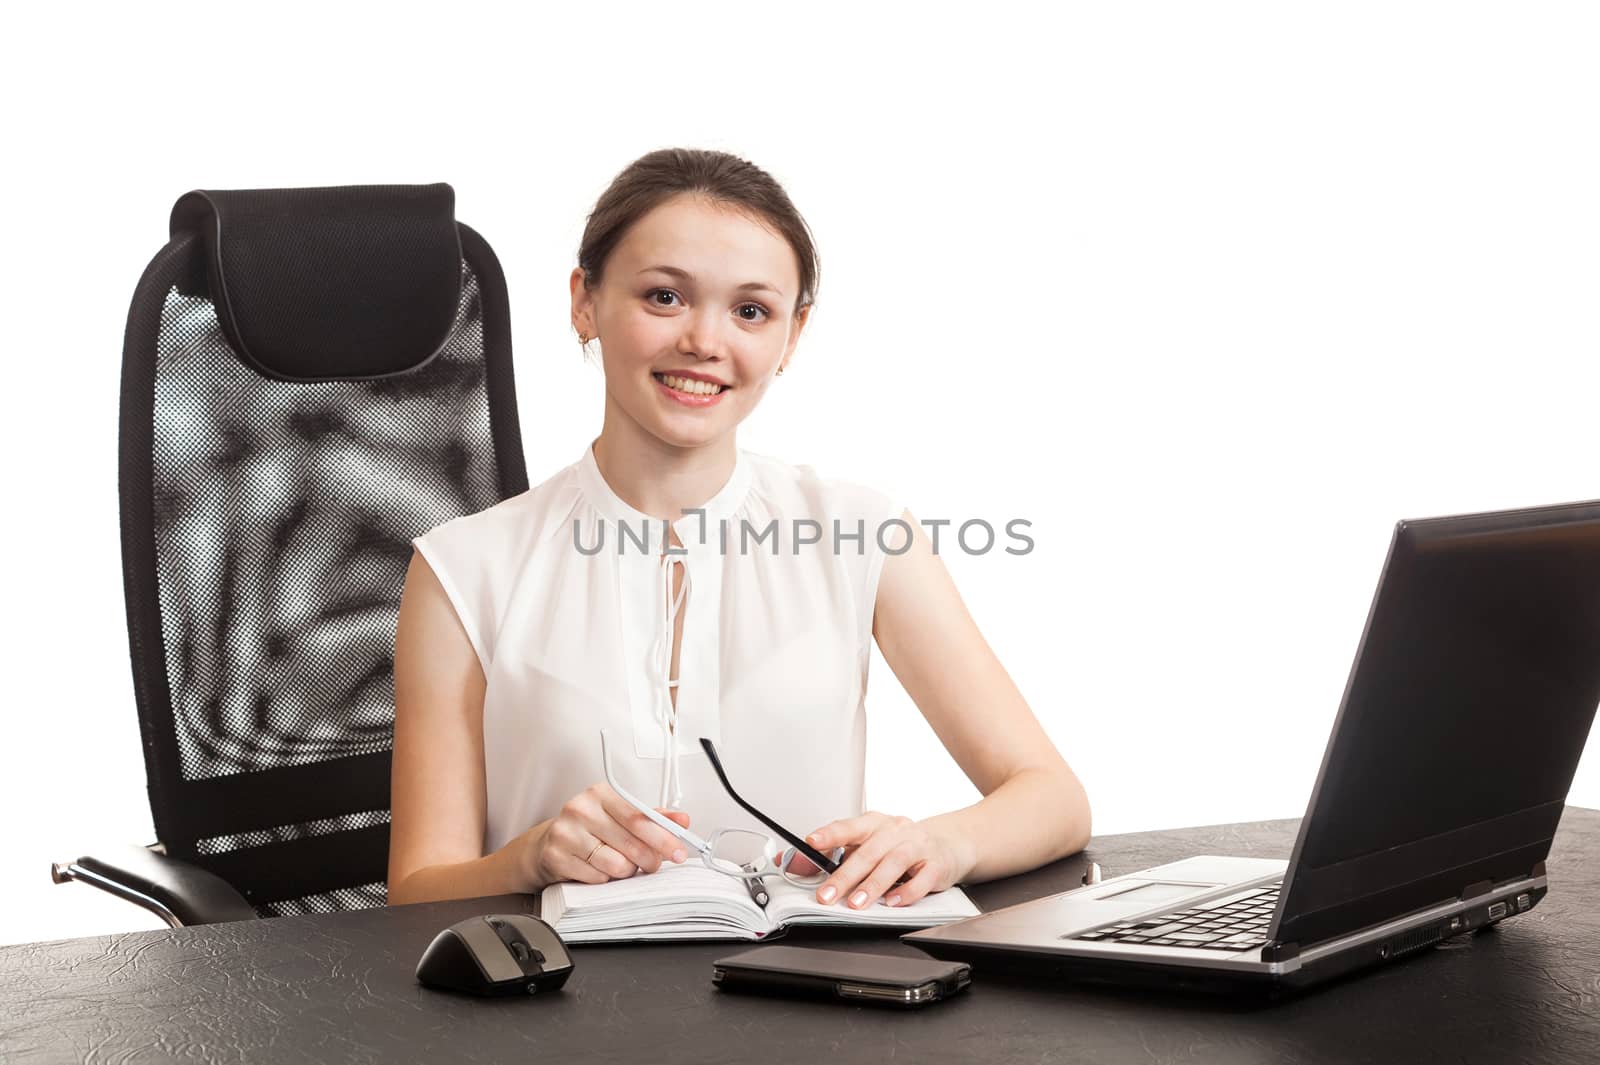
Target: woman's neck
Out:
[658,479]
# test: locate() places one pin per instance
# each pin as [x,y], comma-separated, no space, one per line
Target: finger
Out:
[848,831]
[620,809]
[628,829]
[657,836]
[632,835]
[883,876]
[842,883]
[612,862]
[800,865]
[595,852]
[567,866]
[925,882]
[680,853]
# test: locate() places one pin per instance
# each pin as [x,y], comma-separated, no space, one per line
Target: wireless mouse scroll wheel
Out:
[520,948]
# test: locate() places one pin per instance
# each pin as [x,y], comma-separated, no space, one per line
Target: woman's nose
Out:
[701,336]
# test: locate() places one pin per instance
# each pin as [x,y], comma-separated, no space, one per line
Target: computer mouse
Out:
[497,954]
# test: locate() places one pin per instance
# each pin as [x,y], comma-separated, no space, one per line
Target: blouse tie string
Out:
[666,712]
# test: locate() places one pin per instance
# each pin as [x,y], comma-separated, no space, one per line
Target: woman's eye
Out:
[654,294]
[762,313]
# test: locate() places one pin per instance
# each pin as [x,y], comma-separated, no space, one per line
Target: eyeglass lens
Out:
[760,853]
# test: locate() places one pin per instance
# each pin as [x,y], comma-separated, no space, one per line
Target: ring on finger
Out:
[590,856]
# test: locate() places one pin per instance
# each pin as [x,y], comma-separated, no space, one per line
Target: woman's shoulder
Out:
[516,521]
[858,524]
[803,490]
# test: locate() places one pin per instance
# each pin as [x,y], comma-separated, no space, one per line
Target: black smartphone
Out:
[807,972]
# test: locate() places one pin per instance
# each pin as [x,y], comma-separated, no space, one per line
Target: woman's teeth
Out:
[685,384]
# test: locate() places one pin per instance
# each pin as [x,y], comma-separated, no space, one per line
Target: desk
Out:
[341,987]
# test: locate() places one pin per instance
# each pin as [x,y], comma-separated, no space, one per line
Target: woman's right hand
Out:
[597,837]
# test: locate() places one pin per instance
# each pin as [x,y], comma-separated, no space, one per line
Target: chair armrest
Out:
[177,892]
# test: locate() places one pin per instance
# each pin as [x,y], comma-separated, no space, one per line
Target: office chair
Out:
[310,378]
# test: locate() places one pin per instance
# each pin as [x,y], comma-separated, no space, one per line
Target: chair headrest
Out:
[330,283]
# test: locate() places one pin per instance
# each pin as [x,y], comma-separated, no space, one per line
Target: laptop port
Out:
[1496,911]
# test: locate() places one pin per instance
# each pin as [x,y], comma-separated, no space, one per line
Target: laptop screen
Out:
[1466,712]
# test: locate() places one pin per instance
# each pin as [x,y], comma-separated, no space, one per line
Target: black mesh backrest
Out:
[281,443]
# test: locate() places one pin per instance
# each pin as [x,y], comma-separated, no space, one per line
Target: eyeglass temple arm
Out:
[638,804]
[817,858]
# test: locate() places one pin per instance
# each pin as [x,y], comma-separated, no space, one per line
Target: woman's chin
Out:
[687,426]
[685,432]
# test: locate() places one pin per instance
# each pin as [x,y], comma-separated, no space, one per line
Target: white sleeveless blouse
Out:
[564,594]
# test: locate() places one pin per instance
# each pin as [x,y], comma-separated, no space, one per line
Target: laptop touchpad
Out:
[1152,892]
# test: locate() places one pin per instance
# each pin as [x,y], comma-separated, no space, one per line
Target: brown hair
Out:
[652,179]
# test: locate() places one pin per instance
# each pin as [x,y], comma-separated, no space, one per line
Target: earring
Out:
[583,338]
[780,371]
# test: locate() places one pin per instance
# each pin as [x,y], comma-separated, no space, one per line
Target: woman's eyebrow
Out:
[748,286]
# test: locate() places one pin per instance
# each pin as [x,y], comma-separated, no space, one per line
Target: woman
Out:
[527,628]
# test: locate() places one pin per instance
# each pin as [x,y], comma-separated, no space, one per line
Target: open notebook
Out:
[689,901]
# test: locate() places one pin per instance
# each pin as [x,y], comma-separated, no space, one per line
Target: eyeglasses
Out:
[739,852]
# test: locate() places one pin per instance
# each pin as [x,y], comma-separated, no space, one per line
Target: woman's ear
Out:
[801,316]
[582,304]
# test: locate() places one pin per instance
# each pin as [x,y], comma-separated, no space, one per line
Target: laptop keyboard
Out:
[1237,925]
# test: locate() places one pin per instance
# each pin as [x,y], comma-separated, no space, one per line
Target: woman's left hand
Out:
[881,852]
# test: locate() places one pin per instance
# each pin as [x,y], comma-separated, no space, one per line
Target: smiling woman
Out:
[696,276]
[697,298]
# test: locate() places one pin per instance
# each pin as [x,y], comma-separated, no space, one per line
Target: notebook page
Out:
[678,901]
[793,905]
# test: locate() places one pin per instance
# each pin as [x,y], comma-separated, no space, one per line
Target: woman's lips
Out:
[688,399]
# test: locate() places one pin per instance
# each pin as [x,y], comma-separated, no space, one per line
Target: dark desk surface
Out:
[341,987]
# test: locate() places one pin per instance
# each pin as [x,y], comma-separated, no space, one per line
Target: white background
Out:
[1210,293]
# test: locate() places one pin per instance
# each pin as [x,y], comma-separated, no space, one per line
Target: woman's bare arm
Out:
[439,800]
[437,783]
[1034,809]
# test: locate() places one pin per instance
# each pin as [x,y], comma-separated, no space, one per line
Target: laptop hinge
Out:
[1280,952]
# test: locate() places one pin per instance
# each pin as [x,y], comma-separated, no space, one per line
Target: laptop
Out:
[1472,694]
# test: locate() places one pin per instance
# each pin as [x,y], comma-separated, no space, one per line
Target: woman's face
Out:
[694,292]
